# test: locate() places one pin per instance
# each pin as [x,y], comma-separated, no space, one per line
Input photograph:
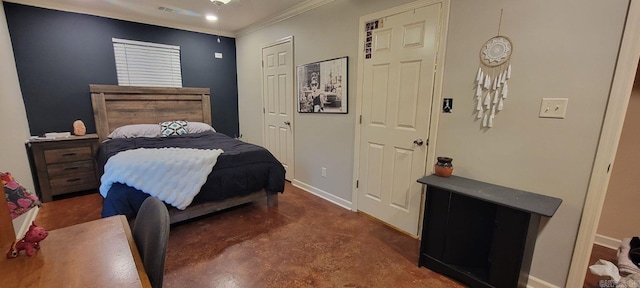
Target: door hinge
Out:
[262,63]
[360,119]
[357,183]
[427,142]
[264,110]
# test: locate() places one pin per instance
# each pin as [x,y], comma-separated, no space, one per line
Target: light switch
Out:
[553,108]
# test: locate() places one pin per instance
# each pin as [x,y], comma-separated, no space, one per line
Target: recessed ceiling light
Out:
[223,1]
[212,17]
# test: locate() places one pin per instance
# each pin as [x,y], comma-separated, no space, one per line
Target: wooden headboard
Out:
[115,106]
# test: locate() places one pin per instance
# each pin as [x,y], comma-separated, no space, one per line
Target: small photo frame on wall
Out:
[322,86]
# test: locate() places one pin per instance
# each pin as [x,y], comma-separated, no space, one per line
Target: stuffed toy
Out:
[30,242]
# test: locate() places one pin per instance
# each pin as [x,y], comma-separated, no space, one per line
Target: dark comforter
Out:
[243,168]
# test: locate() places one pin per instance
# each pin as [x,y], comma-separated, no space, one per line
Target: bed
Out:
[243,172]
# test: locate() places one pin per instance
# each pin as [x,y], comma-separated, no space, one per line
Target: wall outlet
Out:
[553,107]
[324,172]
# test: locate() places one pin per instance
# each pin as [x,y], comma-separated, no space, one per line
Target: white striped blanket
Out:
[173,175]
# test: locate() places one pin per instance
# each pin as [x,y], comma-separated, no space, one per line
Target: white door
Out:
[397,92]
[277,91]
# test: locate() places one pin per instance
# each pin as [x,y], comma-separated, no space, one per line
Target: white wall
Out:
[14,129]
[325,140]
[562,49]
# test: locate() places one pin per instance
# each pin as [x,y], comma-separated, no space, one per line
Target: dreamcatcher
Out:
[492,85]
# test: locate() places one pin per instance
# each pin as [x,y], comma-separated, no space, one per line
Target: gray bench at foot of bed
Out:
[177,215]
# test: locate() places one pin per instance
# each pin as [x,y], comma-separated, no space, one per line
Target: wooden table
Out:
[99,253]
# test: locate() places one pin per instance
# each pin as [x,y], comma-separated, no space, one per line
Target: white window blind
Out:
[147,64]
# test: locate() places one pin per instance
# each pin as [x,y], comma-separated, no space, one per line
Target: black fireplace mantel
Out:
[480,233]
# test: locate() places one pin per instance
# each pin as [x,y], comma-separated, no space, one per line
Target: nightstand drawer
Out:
[63,165]
[70,168]
[67,154]
[79,179]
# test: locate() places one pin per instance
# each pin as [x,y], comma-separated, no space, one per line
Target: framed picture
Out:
[322,86]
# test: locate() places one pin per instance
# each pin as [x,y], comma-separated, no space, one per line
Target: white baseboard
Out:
[21,223]
[535,282]
[323,194]
[606,241]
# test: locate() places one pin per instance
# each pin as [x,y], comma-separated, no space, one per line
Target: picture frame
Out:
[322,86]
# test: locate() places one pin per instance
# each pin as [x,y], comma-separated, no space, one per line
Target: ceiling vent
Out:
[167,9]
[177,11]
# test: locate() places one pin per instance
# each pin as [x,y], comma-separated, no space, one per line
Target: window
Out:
[147,64]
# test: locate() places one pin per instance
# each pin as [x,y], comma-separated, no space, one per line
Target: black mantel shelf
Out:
[516,199]
[481,234]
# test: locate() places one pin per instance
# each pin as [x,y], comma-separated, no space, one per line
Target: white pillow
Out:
[136,130]
[197,127]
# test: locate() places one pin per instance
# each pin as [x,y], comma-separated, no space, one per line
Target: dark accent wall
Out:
[58,54]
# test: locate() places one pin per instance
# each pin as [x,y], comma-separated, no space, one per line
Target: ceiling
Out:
[234,17]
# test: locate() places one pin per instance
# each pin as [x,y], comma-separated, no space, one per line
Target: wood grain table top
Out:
[99,253]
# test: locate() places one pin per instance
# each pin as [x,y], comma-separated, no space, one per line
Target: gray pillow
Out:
[136,130]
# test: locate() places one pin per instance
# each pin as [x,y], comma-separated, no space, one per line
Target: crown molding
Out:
[131,18]
[291,12]
[286,14]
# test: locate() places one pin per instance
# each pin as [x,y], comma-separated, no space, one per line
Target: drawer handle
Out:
[71,168]
[69,154]
[74,179]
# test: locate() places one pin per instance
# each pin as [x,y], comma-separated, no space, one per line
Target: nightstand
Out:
[63,165]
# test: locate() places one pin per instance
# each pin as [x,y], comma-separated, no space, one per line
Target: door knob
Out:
[418,142]
[287,123]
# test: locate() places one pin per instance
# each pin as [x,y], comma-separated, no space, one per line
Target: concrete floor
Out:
[304,242]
